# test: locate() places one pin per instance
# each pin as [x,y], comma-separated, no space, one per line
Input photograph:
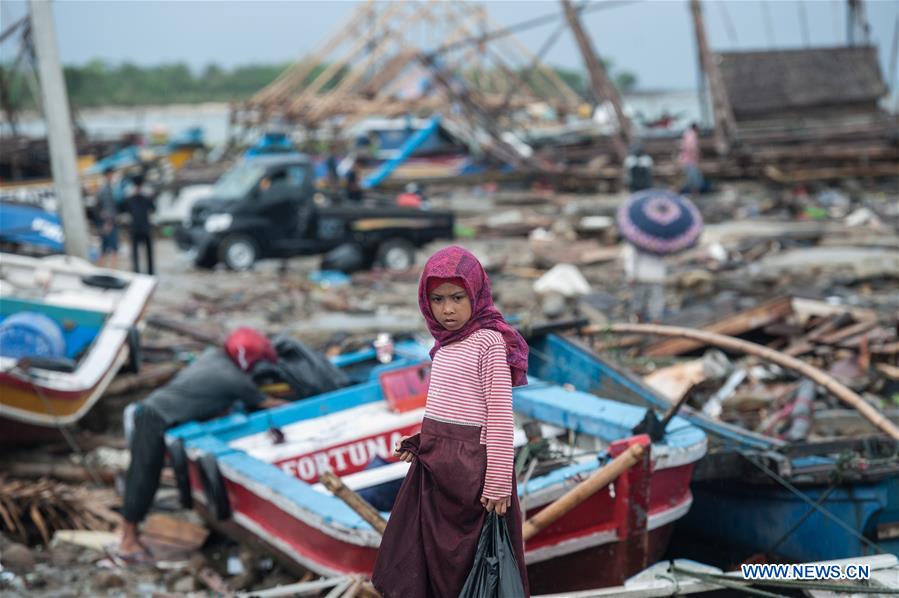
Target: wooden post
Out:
[577,495]
[603,88]
[353,501]
[725,126]
[55,100]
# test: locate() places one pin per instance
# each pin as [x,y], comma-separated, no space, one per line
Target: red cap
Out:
[247,346]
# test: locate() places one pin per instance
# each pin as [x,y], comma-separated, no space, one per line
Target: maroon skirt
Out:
[429,545]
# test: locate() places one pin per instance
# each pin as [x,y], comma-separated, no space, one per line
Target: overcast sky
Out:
[652,38]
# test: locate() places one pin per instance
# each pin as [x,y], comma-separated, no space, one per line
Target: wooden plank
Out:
[733,325]
[165,529]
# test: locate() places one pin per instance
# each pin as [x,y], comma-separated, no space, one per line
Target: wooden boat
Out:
[96,312]
[254,486]
[817,501]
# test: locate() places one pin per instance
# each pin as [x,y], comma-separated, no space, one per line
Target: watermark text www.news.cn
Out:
[804,572]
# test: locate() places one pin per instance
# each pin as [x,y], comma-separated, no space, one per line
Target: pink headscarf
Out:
[457,263]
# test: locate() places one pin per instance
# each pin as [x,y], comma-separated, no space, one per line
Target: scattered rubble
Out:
[822,288]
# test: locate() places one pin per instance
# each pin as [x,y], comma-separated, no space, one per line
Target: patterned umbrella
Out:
[659,221]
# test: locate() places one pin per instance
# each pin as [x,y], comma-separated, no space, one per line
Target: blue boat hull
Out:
[757,519]
[743,518]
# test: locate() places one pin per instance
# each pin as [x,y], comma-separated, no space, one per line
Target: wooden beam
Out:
[323,102]
[277,90]
[552,76]
[336,486]
[736,324]
[332,69]
[725,125]
[603,88]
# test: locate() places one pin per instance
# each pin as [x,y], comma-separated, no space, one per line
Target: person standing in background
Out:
[140,205]
[353,184]
[645,274]
[106,223]
[689,160]
[638,169]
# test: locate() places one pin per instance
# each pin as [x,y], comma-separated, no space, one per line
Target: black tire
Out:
[134,353]
[207,260]
[178,458]
[396,255]
[104,281]
[214,488]
[238,252]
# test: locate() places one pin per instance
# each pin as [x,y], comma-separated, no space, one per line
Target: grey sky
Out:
[652,38]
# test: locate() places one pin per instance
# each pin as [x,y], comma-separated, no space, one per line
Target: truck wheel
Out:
[396,255]
[207,262]
[238,252]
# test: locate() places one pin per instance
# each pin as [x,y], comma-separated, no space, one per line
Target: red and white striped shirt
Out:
[471,384]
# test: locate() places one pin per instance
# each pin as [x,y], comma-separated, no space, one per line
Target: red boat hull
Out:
[611,536]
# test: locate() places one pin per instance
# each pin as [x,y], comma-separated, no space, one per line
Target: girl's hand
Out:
[500,505]
[403,455]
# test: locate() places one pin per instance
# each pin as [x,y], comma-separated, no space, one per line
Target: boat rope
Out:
[63,429]
[801,520]
[784,584]
[802,496]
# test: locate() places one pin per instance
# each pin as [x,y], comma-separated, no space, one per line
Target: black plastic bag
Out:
[494,573]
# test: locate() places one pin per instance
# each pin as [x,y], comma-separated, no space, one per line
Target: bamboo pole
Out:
[596,482]
[277,90]
[308,94]
[603,88]
[353,501]
[725,124]
[735,344]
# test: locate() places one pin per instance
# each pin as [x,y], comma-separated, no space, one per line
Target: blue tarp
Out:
[411,144]
[32,226]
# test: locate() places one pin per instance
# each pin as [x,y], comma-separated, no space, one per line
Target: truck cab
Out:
[268,207]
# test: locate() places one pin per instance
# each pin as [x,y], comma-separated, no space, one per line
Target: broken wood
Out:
[85,538]
[186,329]
[598,480]
[736,324]
[804,344]
[65,472]
[33,511]
[890,371]
[675,381]
[150,377]
[172,531]
[726,342]
[336,486]
[847,332]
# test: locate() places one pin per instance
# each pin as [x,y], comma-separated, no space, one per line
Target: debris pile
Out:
[32,511]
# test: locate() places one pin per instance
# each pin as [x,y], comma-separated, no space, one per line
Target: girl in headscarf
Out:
[462,460]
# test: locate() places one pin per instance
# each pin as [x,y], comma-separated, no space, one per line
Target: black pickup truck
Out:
[268,207]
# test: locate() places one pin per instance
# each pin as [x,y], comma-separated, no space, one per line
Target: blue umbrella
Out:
[659,221]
